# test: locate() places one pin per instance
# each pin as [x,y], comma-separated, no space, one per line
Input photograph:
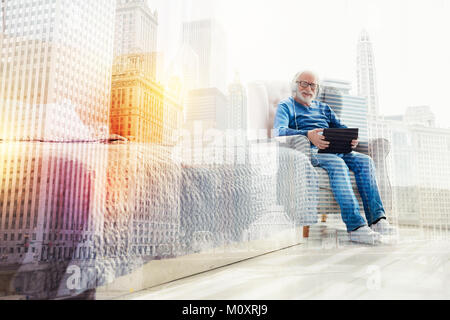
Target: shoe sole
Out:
[364,240]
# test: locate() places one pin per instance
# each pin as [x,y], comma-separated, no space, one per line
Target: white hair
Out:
[298,74]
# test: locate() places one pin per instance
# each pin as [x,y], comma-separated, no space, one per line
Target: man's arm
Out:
[334,120]
[281,122]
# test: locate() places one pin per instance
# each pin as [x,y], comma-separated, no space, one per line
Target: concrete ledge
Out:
[157,272]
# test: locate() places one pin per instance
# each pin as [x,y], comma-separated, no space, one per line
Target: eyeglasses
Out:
[305,84]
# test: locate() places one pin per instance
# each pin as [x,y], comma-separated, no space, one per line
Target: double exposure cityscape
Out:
[125,164]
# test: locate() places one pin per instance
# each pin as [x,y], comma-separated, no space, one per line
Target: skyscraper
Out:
[55,52]
[55,80]
[237,102]
[207,39]
[136,28]
[365,73]
[141,109]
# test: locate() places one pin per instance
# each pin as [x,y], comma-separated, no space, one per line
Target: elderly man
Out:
[300,114]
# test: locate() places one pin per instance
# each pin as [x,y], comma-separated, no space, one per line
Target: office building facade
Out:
[55,81]
[207,107]
[55,52]
[141,109]
[136,28]
[420,176]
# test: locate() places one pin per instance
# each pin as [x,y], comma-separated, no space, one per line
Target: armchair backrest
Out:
[262,102]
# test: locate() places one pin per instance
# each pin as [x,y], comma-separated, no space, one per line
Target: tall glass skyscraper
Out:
[208,40]
[365,72]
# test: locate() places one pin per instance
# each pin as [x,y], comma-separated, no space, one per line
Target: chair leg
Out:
[324,218]
[306,232]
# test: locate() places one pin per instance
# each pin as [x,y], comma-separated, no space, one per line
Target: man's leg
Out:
[364,169]
[341,187]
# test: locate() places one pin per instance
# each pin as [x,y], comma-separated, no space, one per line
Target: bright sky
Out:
[273,39]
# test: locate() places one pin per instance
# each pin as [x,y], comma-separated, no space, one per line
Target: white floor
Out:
[327,266]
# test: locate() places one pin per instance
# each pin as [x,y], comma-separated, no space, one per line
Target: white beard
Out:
[299,96]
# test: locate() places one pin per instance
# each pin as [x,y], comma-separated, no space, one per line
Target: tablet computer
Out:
[340,139]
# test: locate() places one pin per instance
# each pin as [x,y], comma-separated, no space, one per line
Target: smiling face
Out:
[306,95]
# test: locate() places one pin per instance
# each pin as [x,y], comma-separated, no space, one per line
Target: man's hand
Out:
[317,139]
[354,143]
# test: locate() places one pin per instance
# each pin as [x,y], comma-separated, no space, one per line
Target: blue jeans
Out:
[337,166]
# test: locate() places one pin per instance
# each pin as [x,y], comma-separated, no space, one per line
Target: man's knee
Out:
[337,161]
[363,160]
[360,156]
[334,164]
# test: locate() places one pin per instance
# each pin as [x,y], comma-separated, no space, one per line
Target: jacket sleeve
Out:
[281,122]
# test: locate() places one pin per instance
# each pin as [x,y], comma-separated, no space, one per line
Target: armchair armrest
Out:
[378,150]
[363,147]
[296,142]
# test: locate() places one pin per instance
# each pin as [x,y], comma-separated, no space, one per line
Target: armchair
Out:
[263,99]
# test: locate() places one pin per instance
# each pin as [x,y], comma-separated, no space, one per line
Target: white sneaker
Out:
[383,227]
[365,235]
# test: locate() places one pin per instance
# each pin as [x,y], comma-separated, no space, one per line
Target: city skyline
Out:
[191,13]
[409,43]
[400,51]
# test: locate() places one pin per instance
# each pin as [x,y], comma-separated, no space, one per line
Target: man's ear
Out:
[293,88]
